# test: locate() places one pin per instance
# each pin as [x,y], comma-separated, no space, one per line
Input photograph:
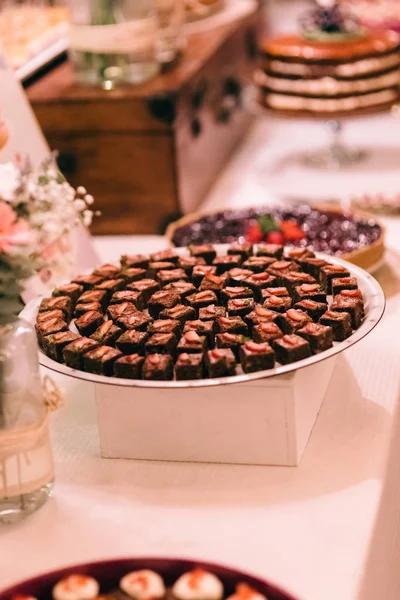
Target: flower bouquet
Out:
[38,211]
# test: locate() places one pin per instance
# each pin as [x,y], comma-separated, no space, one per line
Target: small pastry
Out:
[143,585]
[76,587]
[198,584]
[246,592]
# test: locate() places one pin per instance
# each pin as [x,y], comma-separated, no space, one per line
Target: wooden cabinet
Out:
[152,152]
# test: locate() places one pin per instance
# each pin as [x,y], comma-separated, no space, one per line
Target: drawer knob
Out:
[67,162]
[196,127]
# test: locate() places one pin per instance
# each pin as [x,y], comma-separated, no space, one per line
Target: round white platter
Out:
[374,300]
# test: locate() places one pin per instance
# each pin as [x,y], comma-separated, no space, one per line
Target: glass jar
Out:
[26,459]
[113,41]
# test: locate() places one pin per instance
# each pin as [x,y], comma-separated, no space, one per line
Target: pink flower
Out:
[12,232]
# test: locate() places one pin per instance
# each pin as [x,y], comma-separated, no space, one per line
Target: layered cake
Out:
[220,320]
[332,68]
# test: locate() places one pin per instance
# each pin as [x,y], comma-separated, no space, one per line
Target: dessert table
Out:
[305,528]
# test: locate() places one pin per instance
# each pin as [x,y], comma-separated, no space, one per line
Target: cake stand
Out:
[337,154]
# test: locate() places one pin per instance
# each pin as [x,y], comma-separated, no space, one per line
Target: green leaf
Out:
[43,180]
[267,224]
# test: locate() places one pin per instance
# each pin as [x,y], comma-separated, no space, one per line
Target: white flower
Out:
[9,181]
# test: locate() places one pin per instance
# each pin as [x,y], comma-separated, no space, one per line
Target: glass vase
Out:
[113,41]
[26,459]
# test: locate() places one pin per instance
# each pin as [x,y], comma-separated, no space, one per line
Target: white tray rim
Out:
[373,296]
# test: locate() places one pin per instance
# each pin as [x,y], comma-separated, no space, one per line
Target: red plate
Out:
[108,573]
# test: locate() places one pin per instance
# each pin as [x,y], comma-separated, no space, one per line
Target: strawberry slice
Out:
[275,237]
[254,233]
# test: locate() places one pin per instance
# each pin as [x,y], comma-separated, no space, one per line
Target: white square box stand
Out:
[262,422]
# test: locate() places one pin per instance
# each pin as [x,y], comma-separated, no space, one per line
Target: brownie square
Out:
[137,320]
[161,300]
[200,271]
[225,263]
[167,255]
[230,340]
[157,367]
[189,366]
[271,250]
[240,306]
[231,325]
[266,331]
[201,299]
[260,315]
[165,326]
[115,311]
[202,328]
[312,266]
[312,308]
[133,274]
[48,327]
[89,322]
[100,361]
[110,286]
[73,290]
[275,291]
[155,267]
[181,287]
[147,287]
[221,363]
[63,303]
[192,342]
[106,334]
[180,313]
[294,279]
[49,314]
[129,367]
[343,283]
[293,320]
[291,348]
[256,357]
[205,251]
[309,291]
[161,343]
[99,296]
[88,281]
[278,303]
[188,262]
[298,254]
[258,264]
[259,281]
[73,353]
[132,341]
[107,271]
[280,268]
[320,337]
[245,249]
[354,306]
[55,343]
[135,298]
[340,322]
[330,272]
[212,282]
[237,275]
[81,309]
[168,276]
[212,312]
[137,261]
[235,292]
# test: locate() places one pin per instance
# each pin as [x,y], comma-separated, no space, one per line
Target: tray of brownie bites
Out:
[205,315]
